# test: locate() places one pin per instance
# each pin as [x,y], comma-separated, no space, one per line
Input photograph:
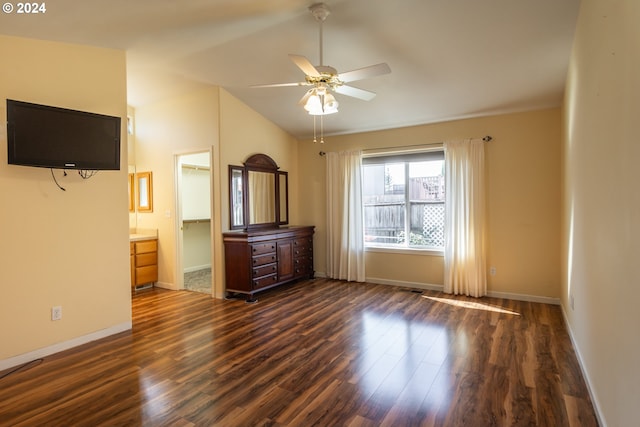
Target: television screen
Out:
[53,137]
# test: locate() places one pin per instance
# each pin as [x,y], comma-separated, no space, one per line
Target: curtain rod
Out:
[485,138]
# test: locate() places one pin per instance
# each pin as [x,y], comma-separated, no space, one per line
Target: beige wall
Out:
[244,132]
[523,173]
[209,118]
[601,236]
[61,248]
[131,144]
[182,124]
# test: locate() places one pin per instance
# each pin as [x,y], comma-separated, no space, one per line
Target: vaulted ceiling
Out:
[449,58]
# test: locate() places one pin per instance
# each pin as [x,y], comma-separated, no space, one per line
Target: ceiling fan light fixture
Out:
[313,105]
[330,104]
[320,103]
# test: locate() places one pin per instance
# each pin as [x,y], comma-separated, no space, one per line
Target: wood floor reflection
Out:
[319,353]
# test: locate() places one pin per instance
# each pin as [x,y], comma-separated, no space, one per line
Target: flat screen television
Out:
[59,138]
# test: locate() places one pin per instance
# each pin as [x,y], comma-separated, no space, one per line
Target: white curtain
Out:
[464,251]
[345,234]
[262,189]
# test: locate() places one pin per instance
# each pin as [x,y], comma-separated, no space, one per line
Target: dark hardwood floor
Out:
[317,353]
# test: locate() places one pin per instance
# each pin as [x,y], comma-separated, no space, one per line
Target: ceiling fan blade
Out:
[304,64]
[363,73]
[282,84]
[355,92]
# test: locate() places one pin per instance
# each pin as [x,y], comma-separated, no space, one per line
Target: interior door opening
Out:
[193,172]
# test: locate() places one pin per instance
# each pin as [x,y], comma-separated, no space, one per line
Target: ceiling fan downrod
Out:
[320,11]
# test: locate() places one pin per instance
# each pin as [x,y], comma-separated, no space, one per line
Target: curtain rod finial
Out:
[487,138]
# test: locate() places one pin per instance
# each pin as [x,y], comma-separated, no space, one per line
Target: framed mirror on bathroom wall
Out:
[258,194]
[144,191]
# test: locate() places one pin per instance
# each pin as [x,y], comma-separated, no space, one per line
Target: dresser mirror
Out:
[236,196]
[258,194]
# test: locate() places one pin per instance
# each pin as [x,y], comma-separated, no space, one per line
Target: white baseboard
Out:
[61,346]
[585,374]
[196,268]
[524,297]
[166,285]
[439,288]
[415,285]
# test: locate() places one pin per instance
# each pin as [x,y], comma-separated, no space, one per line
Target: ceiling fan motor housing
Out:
[320,11]
[328,76]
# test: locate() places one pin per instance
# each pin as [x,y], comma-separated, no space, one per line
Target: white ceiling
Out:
[449,58]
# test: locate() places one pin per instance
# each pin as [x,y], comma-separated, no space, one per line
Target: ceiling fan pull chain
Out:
[321,130]
[314,130]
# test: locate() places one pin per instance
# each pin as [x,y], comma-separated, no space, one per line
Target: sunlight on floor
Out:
[472,305]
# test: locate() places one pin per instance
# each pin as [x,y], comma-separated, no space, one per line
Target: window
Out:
[403,200]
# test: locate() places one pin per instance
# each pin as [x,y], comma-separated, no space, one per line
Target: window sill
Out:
[405,251]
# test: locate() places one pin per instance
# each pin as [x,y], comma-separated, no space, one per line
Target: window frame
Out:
[404,154]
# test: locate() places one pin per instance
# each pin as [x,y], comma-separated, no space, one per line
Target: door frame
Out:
[179,279]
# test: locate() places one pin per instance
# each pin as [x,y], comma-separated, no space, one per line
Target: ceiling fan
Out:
[324,79]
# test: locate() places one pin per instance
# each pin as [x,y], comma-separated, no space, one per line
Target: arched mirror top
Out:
[261,162]
[258,194]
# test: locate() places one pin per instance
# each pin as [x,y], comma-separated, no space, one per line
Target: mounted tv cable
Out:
[84,174]
[56,181]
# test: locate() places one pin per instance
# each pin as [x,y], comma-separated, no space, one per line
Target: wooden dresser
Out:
[256,260]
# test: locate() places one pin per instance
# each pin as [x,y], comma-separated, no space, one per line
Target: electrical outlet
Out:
[56,313]
[492,271]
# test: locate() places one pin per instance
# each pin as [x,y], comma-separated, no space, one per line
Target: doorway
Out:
[193,195]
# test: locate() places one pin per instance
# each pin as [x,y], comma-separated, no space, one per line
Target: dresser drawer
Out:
[264,259]
[302,251]
[265,270]
[262,248]
[303,265]
[265,281]
[306,242]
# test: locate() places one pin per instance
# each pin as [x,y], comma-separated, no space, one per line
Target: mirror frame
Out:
[283,207]
[144,180]
[233,198]
[259,163]
[132,195]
